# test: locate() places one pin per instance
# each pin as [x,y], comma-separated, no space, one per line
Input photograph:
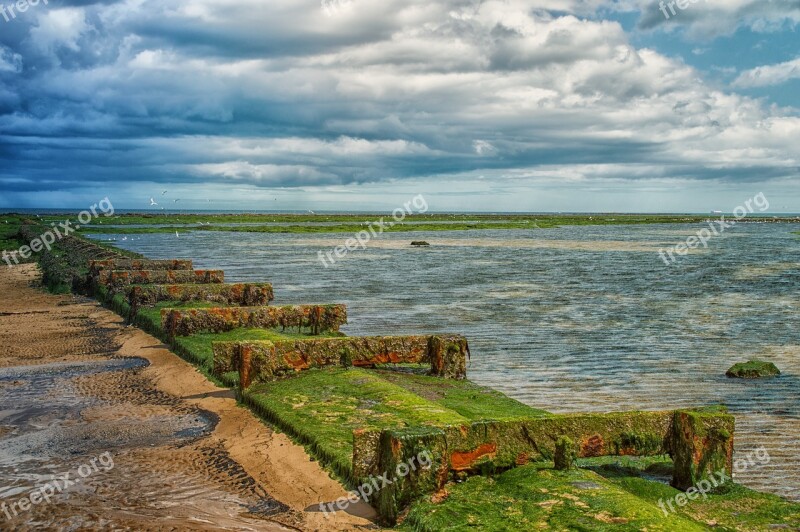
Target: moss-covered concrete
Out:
[537,497]
[323,407]
[245,294]
[96,266]
[702,444]
[488,446]
[265,361]
[119,279]
[312,318]
[465,397]
[565,454]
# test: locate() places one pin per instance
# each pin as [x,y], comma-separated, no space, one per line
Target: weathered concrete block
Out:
[366,452]
[445,354]
[698,442]
[314,318]
[246,295]
[96,266]
[701,444]
[118,279]
[226,358]
[565,454]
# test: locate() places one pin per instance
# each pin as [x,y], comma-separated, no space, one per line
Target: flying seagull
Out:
[163,193]
[153,202]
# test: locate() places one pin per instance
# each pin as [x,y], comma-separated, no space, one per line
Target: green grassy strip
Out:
[10,239]
[355,223]
[733,508]
[356,219]
[322,407]
[464,397]
[536,497]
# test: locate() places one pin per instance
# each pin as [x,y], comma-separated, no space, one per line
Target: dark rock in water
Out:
[420,243]
[753,369]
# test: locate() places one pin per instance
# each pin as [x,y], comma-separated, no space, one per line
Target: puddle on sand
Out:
[57,418]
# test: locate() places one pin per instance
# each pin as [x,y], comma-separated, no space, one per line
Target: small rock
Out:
[753,369]
[420,243]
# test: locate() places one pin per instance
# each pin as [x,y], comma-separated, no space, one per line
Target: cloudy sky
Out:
[538,105]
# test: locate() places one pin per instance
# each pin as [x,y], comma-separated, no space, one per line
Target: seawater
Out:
[572,319]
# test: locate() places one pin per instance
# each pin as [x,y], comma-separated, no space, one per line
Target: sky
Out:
[358,105]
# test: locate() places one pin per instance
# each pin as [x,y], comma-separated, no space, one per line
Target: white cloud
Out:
[707,19]
[768,75]
[59,28]
[10,61]
[278,94]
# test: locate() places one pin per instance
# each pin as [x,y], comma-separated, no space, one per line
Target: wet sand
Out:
[78,389]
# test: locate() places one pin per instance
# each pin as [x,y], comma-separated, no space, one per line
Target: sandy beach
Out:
[75,383]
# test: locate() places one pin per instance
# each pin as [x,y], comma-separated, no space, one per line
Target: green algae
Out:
[537,497]
[565,454]
[322,408]
[753,369]
[704,448]
[735,508]
[616,494]
[467,398]
[311,224]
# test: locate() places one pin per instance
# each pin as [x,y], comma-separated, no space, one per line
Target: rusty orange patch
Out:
[593,446]
[461,461]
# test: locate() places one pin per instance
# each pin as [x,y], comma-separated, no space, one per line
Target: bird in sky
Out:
[164,193]
[153,202]
[175,201]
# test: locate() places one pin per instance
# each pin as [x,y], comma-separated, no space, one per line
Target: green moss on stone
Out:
[467,398]
[753,369]
[323,407]
[565,454]
[536,497]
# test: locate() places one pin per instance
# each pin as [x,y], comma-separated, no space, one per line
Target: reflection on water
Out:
[598,324]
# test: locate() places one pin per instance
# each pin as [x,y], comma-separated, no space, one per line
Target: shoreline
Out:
[279,403]
[279,466]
